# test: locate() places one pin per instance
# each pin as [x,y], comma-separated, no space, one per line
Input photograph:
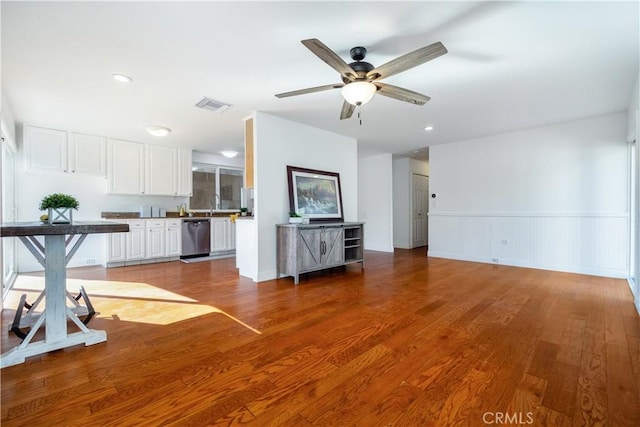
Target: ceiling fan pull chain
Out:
[359,119]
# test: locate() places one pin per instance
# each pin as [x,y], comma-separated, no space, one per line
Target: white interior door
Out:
[420,206]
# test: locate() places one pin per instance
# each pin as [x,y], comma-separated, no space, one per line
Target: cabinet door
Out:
[219,235]
[309,249]
[173,238]
[232,236]
[46,149]
[87,154]
[155,238]
[116,247]
[161,170]
[185,175]
[332,251]
[126,167]
[135,241]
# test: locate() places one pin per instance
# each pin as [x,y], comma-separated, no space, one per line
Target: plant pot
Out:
[295,220]
[60,216]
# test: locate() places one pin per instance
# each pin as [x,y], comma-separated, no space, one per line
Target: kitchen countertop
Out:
[136,215]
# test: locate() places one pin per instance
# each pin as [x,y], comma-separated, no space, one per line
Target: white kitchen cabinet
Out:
[185,175]
[219,234]
[223,235]
[173,237]
[135,240]
[45,149]
[126,167]
[87,154]
[232,235]
[161,176]
[52,150]
[116,244]
[136,168]
[155,238]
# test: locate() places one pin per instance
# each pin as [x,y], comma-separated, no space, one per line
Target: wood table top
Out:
[38,228]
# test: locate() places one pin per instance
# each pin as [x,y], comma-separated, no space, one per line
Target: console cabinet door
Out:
[309,249]
[332,247]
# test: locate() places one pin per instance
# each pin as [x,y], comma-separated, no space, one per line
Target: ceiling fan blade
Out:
[402,94]
[309,90]
[407,61]
[330,57]
[347,110]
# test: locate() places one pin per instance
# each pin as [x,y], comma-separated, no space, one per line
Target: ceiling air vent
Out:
[212,105]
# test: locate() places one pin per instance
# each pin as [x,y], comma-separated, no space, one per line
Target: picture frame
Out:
[315,194]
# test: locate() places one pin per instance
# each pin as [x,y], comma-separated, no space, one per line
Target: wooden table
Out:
[53,256]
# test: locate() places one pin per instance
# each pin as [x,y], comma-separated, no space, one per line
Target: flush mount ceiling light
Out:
[358,93]
[158,130]
[121,78]
[428,128]
[229,153]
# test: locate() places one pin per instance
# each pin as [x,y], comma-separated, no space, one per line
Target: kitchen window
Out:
[216,187]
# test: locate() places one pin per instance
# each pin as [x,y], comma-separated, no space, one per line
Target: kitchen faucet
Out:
[217,200]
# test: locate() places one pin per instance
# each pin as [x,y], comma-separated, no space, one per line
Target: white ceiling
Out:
[511,65]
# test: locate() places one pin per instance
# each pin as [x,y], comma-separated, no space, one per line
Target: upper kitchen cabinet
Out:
[126,167]
[52,150]
[87,154]
[185,177]
[161,170]
[136,168]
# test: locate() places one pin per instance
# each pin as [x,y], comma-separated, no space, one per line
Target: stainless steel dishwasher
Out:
[196,237]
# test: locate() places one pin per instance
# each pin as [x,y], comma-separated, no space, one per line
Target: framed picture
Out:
[315,193]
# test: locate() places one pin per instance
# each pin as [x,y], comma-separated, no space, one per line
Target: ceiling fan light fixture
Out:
[158,130]
[358,93]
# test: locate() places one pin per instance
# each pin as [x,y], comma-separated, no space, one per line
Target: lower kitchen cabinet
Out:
[302,248]
[173,237]
[223,235]
[148,240]
[154,238]
[135,240]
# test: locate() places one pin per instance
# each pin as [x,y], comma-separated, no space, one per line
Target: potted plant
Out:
[243,211]
[60,208]
[295,218]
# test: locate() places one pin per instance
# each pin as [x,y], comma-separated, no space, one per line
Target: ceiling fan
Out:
[360,79]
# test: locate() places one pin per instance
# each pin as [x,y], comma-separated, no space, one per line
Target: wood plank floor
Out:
[411,341]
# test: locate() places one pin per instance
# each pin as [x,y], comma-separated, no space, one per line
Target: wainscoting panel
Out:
[582,243]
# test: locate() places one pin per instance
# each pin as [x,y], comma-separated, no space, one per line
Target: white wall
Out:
[278,143]
[633,133]
[375,201]
[403,170]
[554,197]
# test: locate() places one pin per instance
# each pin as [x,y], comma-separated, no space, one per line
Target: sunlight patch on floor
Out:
[124,301]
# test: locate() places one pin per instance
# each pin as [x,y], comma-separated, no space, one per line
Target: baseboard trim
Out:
[602,272]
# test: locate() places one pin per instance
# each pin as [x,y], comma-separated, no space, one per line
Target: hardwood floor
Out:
[411,341]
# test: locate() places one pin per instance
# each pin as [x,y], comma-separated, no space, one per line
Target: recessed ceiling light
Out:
[428,128]
[229,153]
[158,130]
[121,78]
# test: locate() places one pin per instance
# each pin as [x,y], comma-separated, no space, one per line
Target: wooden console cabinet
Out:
[302,248]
